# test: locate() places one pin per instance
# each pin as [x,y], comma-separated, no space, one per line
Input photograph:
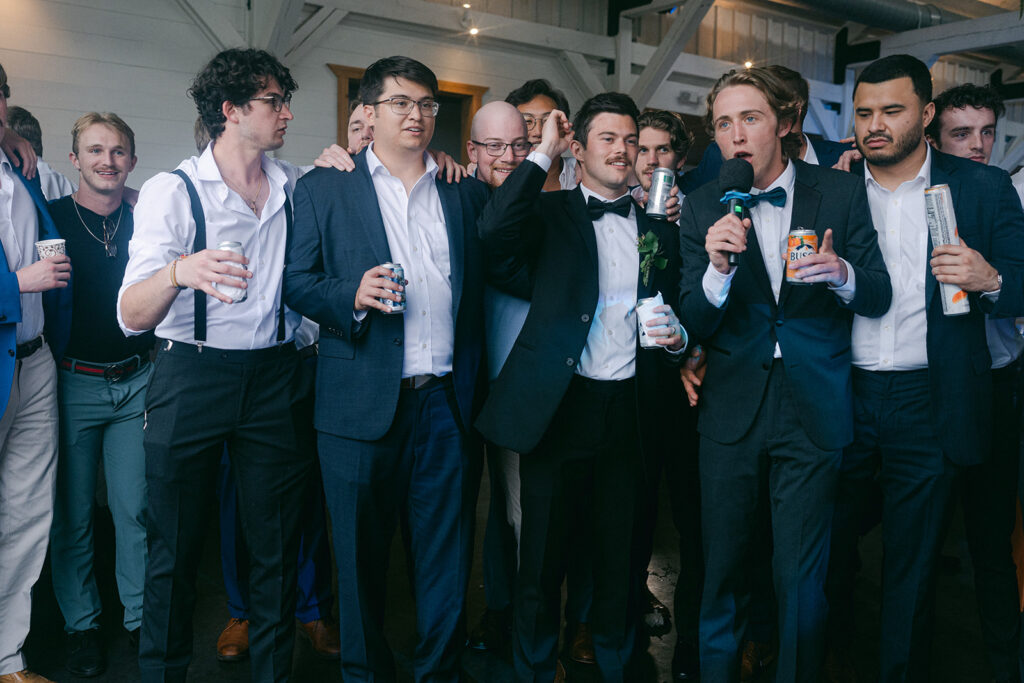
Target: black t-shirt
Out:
[96,277]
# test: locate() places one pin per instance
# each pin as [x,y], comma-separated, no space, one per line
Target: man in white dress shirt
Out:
[227,369]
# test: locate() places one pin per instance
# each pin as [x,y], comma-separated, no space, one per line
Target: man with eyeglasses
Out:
[535,100]
[399,444]
[227,369]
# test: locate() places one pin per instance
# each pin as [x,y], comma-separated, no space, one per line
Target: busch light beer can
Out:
[801,243]
[938,205]
[399,279]
[237,294]
[662,180]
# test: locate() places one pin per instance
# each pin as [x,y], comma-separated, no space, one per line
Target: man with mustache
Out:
[922,380]
[577,397]
[775,409]
[227,369]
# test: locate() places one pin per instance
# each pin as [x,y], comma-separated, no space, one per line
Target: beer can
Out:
[662,180]
[399,278]
[644,313]
[237,294]
[938,204]
[801,243]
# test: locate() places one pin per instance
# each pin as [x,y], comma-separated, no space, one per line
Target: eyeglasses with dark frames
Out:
[520,148]
[403,105]
[532,121]
[277,102]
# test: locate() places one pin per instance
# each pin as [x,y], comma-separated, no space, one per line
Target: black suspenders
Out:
[199,243]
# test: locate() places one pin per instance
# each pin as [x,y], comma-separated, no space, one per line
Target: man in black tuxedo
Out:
[776,408]
[922,380]
[577,396]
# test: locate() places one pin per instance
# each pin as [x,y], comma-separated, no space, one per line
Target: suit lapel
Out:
[576,210]
[940,175]
[369,213]
[452,208]
[643,225]
[752,258]
[806,201]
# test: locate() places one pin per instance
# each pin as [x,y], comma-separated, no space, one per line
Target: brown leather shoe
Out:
[25,676]
[582,646]
[559,672]
[233,644]
[755,660]
[323,636]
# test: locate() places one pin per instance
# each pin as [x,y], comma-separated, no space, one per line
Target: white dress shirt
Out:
[771,224]
[897,340]
[54,183]
[1005,342]
[418,240]
[164,229]
[810,156]
[1018,183]
[19,232]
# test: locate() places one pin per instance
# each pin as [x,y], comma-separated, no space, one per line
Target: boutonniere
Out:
[650,255]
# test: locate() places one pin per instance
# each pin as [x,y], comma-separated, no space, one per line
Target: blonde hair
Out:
[108,119]
[783,101]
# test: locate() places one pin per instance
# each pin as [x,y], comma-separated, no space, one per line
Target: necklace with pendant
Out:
[109,247]
[251,203]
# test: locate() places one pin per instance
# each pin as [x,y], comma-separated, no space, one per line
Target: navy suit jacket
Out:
[541,247]
[56,302]
[810,324]
[828,153]
[989,220]
[338,235]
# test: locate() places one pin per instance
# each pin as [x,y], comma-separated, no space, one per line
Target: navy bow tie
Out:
[597,208]
[776,197]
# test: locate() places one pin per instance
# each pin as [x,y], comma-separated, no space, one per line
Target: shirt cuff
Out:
[848,290]
[358,316]
[541,159]
[716,285]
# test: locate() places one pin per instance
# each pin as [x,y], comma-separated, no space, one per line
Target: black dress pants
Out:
[258,402]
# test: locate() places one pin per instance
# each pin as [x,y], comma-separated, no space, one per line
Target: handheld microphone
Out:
[734,181]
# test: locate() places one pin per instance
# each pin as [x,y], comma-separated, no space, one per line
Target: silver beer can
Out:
[399,279]
[662,181]
[938,204]
[237,294]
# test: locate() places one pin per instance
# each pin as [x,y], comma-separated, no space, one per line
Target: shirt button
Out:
[423,312]
[885,361]
[424,346]
[263,298]
[421,279]
[415,249]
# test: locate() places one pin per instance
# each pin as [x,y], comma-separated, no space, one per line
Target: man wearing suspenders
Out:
[226,369]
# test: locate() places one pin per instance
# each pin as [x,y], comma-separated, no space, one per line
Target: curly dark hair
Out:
[603,103]
[536,88]
[235,76]
[961,97]
[679,137]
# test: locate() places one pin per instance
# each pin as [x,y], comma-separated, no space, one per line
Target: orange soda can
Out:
[801,243]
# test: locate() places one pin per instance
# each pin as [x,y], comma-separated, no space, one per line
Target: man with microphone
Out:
[776,408]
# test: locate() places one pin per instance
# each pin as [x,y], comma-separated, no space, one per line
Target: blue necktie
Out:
[776,197]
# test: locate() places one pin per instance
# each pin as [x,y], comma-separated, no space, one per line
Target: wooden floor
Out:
[957,645]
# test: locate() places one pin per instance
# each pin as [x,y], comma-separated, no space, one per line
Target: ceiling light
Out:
[748,64]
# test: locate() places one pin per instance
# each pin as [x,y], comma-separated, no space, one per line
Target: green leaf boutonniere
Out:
[650,255]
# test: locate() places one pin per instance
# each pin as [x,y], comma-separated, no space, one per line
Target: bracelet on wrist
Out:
[173,273]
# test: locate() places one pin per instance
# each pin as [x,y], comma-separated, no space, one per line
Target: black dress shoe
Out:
[85,654]
[686,661]
[133,638]
[493,632]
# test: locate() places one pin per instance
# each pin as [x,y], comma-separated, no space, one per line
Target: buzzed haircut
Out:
[536,88]
[603,103]
[108,119]
[961,97]
[782,100]
[21,121]
[235,76]
[373,82]
[797,85]
[899,66]
[679,137]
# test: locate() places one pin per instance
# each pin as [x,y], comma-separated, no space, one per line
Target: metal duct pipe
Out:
[895,15]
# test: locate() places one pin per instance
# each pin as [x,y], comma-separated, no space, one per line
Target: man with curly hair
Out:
[227,369]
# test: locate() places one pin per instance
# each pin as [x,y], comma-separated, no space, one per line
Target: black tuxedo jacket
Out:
[810,323]
[541,247]
[338,235]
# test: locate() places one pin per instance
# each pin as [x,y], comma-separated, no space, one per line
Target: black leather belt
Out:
[109,371]
[28,348]
[424,381]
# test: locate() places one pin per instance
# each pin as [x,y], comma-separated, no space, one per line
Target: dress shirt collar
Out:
[208,171]
[923,173]
[786,180]
[588,193]
[374,165]
[810,156]
[5,162]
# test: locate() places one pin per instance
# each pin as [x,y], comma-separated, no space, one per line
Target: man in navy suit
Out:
[922,380]
[399,444]
[812,150]
[28,385]
[776,406]
[577,396]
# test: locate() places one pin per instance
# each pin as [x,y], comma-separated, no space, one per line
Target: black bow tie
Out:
[776,197]
[596,208]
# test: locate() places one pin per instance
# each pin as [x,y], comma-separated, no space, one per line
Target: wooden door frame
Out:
[472,101]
